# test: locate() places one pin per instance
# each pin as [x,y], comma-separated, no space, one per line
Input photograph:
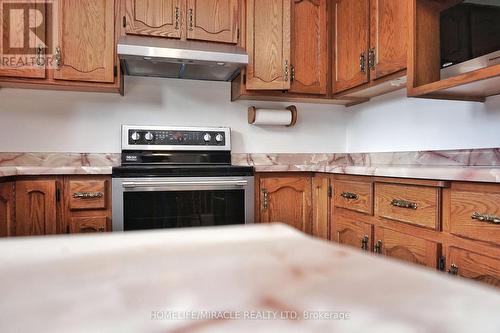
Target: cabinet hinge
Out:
[58,194]
[442,263]
[115,71]
[244,79]
[330,191]
[124,22]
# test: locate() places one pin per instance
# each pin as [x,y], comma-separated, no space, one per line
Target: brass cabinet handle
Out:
[364,243]
[378,247]
[292,73]
[266,198]
[371,59]
[486,218]
[87,195]
[177,17]
[58,58]
[362,62]
[97,229]
[190,19]
[40,60]
[349,196]
[453,270]
[404,204]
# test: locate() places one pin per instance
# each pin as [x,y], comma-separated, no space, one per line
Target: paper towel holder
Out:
[252,110]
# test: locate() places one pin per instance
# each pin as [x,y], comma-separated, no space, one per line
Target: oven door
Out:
[159,203]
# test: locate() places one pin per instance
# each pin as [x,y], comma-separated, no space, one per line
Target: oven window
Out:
[180,209]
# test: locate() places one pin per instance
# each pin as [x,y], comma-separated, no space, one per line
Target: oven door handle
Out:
[166,184]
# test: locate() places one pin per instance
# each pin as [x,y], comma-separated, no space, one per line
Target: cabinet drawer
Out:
[405,247]
[417,205]
[81,225]
[475,211]
[87,194]
[473,266]
[353,195]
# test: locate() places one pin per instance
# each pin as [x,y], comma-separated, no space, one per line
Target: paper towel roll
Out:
[272,117]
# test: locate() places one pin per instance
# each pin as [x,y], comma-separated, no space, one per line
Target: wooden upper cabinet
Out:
[268,44]
[154,17]
[286,200]
[309,47]
[213,20]
[36,209]
[405,247]
[17,39]
[389,30]
[7,210]
[351,44]
[86,40]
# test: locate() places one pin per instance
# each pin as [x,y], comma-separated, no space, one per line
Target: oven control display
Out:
[176,138]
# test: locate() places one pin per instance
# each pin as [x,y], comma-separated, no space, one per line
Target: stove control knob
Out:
[219,137]
[207,137]
[149,136]
[135,136]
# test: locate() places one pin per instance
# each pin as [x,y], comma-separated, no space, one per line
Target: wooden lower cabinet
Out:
[287,200]
[81,225]
[321,192]
[36,208]
[406,247]
[7,213]
[352,232]
[472,265]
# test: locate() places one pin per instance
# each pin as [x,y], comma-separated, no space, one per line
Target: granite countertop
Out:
[253,278]
[481,165]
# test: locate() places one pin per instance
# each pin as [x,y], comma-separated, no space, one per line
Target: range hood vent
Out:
[162,57]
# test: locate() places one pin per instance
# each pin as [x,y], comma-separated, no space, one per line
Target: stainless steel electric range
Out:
[176,177]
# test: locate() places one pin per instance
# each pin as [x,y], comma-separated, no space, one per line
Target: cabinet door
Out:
[213,20]
[473,265]
[351,44]
[7,210]
[389,38]
[154,17]
[309,51]
[352,232]
[82,225]
[36,210]
[321,206]
[268,44]
[406,247]
[287,200]
[86,40]
[18,42]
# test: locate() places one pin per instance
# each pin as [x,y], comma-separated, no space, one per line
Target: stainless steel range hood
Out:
[162,57]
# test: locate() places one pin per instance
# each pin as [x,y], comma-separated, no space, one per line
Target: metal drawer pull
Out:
[453,270]
[349,196]
[378,247]
[364,243]
[87,195]
[486,218]
[186,183]
[404,204]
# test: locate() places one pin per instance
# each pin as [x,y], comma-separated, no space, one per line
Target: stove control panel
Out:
[170,138]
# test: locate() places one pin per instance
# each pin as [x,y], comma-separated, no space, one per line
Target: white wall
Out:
[51,121]
[395,123]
